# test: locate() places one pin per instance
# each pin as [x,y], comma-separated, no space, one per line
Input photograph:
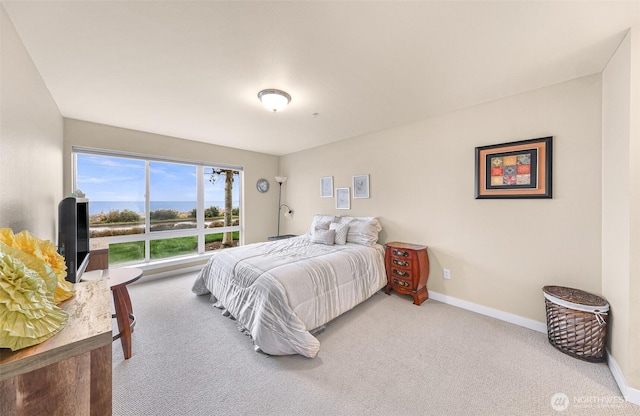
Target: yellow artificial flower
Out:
[27,243]
[45,251]
[28,315]
[52,258]
[32,281]
[6,236]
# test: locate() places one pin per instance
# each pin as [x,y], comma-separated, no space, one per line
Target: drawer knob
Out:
[400,282]
[400,273]
[401,253]
[400,263]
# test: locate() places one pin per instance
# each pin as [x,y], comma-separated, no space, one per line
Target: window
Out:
[152,209]
[172,196]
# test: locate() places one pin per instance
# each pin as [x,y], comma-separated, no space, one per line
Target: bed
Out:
[281,291]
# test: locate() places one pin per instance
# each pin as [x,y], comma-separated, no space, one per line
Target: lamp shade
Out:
[274,100]
[281,179]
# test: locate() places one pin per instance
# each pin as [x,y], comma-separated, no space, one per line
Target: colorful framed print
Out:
[361,186]
[326,187]
[519,169]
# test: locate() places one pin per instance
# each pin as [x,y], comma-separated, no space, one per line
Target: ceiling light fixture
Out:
[274,100]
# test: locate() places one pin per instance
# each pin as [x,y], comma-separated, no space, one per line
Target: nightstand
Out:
[407,270]
[281,237]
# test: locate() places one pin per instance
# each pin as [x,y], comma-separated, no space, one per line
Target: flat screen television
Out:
[73,235]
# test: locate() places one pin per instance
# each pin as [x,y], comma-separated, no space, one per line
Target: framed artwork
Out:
[361,186]
[519,169]
[326,187]
[342,198]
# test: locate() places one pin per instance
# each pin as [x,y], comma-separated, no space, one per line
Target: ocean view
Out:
[96,207]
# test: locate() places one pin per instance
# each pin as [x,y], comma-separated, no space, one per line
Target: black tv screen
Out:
[73,235]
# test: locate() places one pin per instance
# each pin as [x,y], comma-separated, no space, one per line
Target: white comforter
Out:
[280,290]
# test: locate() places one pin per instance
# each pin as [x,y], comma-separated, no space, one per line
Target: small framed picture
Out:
[342,198]
[326,187]
[361,186]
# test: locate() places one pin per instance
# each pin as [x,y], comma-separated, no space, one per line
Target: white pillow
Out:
[321,226]
[341,232]
[323,237]
[363,230]
[347,219]
[319,218]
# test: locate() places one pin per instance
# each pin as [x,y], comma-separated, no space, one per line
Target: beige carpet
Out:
[385,357]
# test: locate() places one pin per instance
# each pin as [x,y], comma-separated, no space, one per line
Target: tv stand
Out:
[99,259]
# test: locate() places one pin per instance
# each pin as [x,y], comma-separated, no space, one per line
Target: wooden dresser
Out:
[407,270]
[70,373]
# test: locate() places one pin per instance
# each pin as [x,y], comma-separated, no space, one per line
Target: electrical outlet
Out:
[446,273]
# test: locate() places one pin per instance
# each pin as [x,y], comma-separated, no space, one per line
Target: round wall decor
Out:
[262,185]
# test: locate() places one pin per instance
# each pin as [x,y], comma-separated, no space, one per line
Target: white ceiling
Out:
[193,69]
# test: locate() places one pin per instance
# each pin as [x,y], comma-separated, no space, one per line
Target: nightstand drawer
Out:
[401,282]
[404,274]
[400,253]
[402,262]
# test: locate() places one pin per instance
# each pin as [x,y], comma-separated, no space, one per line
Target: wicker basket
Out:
[576,322]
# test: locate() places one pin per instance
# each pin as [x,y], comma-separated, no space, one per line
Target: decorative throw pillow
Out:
[323,237]
[341,232]
[321,226]
[344,219]
[347,219]
[319,218]
[363,230]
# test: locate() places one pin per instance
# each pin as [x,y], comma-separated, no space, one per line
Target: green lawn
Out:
[160,249]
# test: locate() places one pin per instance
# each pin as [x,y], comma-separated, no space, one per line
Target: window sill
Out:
[158,269]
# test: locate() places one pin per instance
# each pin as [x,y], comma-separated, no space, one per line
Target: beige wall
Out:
[621,204]
[500,252]
[260,210]
[632,372]
[30,142]
[616,216]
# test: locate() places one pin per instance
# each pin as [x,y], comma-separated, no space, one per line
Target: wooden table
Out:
[118,280]
[70,373]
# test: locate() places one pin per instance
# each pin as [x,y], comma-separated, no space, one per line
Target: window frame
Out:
[200,231]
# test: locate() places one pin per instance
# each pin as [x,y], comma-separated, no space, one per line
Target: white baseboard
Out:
[494,313]
[630,394]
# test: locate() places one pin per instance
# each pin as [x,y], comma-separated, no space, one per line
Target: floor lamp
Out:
[280,180]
